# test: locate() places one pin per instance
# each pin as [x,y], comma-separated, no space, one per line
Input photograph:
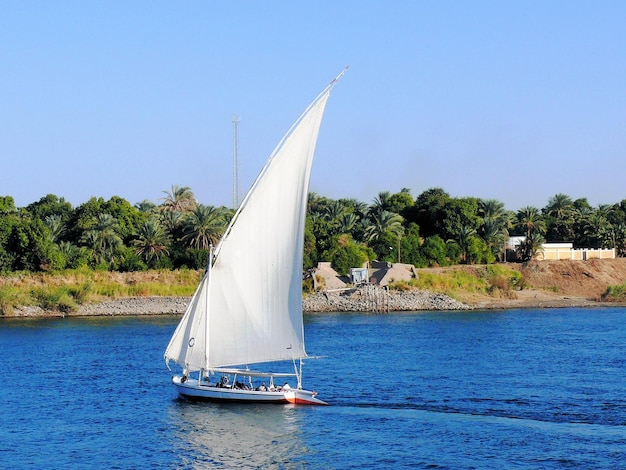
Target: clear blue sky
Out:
[515,101]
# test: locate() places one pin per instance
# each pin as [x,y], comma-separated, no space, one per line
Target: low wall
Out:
[580,254]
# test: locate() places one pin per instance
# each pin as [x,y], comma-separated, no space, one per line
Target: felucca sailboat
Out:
[247,308]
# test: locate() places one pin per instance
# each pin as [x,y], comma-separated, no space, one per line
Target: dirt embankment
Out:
[558,284]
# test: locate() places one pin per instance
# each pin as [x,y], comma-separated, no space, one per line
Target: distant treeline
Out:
[429,230]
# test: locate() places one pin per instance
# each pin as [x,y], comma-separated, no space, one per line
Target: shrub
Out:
[615,293]
[55,299]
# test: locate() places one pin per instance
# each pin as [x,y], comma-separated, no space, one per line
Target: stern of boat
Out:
[303,397]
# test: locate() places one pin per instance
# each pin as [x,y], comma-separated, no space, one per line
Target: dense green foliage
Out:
[433,229]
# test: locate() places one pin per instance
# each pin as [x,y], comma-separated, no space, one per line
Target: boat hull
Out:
[193,390]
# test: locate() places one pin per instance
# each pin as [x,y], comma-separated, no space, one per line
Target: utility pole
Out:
[235,155]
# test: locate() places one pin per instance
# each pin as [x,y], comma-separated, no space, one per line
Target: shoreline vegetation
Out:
[593,283]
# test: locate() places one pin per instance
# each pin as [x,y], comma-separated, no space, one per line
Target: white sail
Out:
[248,307]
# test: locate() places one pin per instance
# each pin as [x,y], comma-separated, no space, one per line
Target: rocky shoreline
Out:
[364,300]
[352,300]
[348,300]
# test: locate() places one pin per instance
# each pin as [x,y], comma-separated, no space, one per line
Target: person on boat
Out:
[262,387]
[286,387]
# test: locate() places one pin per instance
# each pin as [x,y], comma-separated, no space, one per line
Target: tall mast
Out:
[235,155]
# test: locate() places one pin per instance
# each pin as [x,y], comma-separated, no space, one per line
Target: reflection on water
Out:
[235,436]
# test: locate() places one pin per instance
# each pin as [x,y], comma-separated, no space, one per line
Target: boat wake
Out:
[504,411]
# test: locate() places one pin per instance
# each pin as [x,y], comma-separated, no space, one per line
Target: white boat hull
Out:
[194,390]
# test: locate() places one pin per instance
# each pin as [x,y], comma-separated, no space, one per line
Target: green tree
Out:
[435,251]
[560,218]
[465,237]
[310,252]
[75,256]
[31,246]
[400,202]
[104,240]
[381,222]
[533,226]
[151,242]
[7,205]
[345,254]
[146,206]
[82,219]
[384,233]
[410,247]
[382,202]
[495,225]
[128,217]
[179,199]
[55,226]
[477,251]
[204,227]
[428,211]
[529,220]
[51,206]
[531,246]
[333,213]
[458,213]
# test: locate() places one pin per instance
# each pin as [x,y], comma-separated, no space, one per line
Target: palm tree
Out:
[71,252]
[492,209]
[619,238]
[316,203]
[347,222]
[382,222]
[598,230]
[55,225]
[464,236]
[560,218]
[152,241]
[103,239]
[529,220]
[494,234]
[559,206]
[381,202]
[171,220]
[145,206]
[530,246]
[334,211]
[180,199]
[496,224]
[204,226]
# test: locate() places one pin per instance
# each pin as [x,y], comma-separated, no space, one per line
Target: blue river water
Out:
[505,389]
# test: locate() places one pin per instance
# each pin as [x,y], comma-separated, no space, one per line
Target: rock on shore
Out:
[137,306]
[125,306]
[352,300]
[360,300]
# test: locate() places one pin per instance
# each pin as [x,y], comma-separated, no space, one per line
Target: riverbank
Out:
[344,301]
[546,284]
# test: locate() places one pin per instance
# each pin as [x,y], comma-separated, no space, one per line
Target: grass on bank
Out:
[495,280]
[65,291]
[615,293]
